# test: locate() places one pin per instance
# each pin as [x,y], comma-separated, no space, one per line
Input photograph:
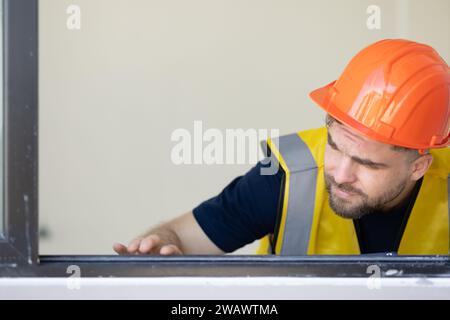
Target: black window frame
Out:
[18,244]
[19,255]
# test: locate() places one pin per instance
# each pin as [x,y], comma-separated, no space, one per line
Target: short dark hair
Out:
[414,152]
[329,120]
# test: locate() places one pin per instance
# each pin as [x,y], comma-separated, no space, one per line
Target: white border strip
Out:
[205,288]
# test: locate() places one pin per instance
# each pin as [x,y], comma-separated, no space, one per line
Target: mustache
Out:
[343,186]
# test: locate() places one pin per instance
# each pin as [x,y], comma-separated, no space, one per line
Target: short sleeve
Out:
[243,212]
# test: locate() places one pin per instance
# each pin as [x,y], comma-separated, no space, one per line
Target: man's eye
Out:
[370,166]
[332,146]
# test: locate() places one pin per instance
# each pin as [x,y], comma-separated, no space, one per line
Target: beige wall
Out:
[112,93]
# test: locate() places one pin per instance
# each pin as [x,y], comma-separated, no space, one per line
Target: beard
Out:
[361,204]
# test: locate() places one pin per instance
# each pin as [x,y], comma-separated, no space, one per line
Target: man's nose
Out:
[344,171]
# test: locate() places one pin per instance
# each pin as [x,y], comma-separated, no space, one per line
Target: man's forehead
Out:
[357,137]
[352,132]
[361,149]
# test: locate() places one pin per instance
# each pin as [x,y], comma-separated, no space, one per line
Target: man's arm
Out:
[182,235]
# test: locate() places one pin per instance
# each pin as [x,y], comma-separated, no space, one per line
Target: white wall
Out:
[226,288]
[112,93]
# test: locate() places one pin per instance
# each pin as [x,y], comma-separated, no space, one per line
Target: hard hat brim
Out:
[321,97]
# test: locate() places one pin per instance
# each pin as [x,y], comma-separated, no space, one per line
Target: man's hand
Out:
[182,235]
[150,244]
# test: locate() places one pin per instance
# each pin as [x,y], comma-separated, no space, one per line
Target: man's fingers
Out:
[149,243]
[134,245]
[120,248]
[170,250]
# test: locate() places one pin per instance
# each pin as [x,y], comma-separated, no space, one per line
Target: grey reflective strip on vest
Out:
[448,204]
[302,193]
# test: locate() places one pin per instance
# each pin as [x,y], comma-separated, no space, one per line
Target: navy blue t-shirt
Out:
[246,210]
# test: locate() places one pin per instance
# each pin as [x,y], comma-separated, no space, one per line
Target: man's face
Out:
[362,175]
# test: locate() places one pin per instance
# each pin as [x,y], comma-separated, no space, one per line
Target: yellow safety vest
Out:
[307,224]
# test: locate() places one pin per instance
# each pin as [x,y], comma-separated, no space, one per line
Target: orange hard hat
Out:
[393,91]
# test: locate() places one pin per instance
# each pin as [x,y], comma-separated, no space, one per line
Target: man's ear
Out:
[420,166]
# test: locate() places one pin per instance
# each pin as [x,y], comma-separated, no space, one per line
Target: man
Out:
[374,180]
